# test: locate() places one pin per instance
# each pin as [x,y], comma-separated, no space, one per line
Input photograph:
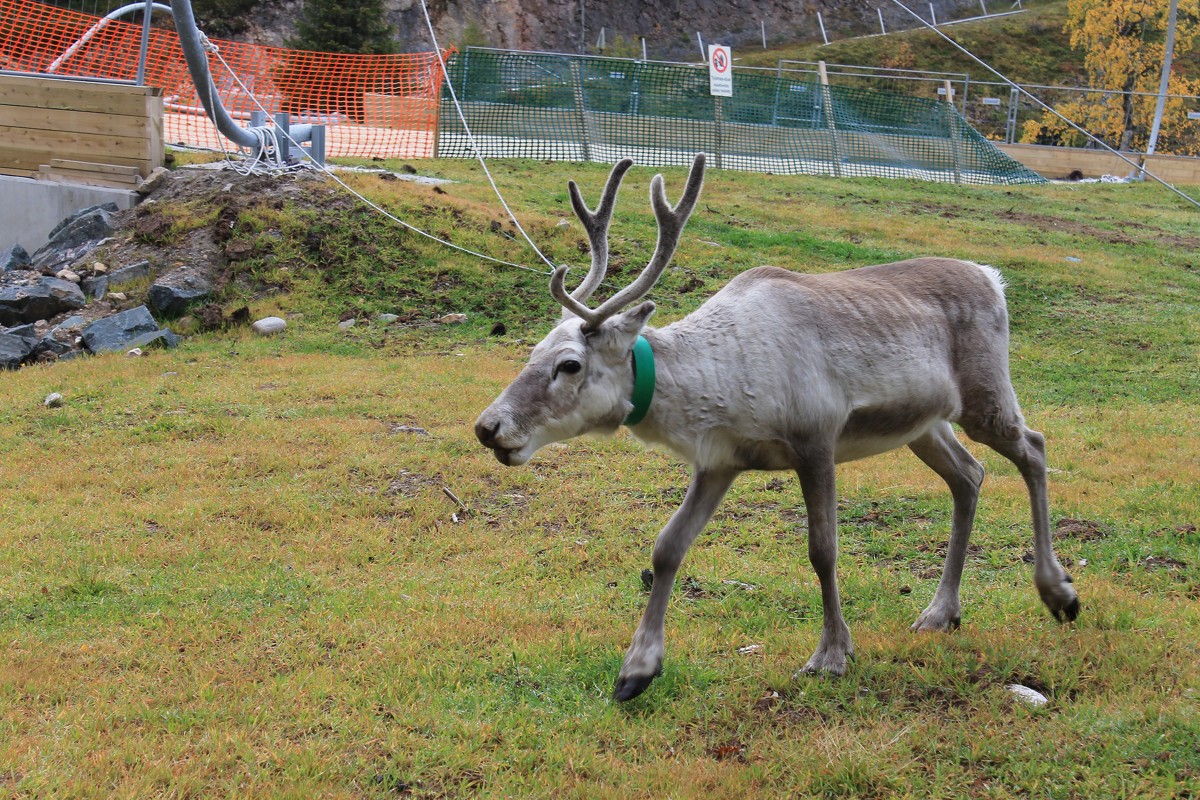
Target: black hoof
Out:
[1069,612]
[629,688]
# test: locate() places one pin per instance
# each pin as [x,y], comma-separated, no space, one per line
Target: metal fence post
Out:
[830,123]
[145,46]
[720,117]
[1014,108]
[580,108]
[955,133]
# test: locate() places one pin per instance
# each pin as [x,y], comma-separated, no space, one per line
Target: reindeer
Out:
[784,371]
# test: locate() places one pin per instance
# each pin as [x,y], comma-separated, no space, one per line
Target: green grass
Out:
[231,569]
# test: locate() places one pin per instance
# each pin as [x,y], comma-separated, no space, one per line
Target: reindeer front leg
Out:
[643,661]
[819,483]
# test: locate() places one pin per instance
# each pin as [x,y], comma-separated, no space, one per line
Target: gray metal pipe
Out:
[197,61]
[100,25]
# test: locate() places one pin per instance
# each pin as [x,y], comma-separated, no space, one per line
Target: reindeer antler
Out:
[671,222]
[596,225]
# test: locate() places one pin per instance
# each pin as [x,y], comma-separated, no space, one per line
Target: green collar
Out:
[643,380]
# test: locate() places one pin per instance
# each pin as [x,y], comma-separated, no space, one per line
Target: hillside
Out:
[1030,47]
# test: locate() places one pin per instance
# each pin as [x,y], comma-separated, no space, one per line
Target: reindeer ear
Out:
[629,323]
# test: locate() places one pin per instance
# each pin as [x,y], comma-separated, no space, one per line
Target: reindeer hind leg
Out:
[941,451]
[1004,431]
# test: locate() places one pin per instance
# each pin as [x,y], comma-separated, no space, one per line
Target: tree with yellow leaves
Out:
[1123,43]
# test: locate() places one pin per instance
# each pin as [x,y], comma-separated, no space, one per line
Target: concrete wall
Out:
[29,209]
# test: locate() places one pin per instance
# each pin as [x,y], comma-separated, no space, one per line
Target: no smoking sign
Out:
[720,72]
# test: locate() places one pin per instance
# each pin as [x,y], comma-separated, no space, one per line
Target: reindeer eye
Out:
[570,366]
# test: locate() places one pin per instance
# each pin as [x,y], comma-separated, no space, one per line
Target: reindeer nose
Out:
[487,433]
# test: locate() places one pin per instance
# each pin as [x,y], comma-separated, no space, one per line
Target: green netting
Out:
[570,108]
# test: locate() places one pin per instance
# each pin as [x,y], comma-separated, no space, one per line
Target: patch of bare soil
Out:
[1124,233]
[1082,529]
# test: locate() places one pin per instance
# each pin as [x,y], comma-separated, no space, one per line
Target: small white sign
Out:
[720,71]
[991,101]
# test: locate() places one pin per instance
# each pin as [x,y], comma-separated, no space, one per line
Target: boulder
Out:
[153,181]
[27,296]
[14,257]
[26,331]
[13,350]
[74,237]
[129,274]
[172,301]
[269,325]
[116,332]
[52,343]
[95,287]
[160,338]
[74,321]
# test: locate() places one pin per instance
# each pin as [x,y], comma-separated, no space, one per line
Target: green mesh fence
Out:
[569,108]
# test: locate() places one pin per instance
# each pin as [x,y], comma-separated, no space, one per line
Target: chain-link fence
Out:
[563,107]
[1004,114]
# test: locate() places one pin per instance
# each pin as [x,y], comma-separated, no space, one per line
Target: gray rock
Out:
[1027,695]
[162,338]
[52,344]
[14,257]
[75,236]
[70,322]
[172,301]
[13,350]
[26,331]
[83,214]
[95,287]
[347,324]
[152,182]
[387,319]
[27,296]
[53,400]
[129,274]
[116,332]
[269,325]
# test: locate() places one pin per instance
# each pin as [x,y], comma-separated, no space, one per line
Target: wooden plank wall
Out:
[44,120]
[1058,163]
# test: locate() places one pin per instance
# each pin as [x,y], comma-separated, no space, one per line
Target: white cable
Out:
[1077,128]
[471,137]
[349,189]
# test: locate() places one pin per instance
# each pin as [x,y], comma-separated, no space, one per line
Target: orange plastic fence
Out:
[373,105]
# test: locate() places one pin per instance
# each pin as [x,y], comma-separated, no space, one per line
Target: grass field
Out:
[234,570]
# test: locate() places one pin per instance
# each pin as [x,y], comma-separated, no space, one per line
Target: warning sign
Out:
[720,71]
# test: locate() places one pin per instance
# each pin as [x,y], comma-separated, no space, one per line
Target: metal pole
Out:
[147,12]
[882,29]
[1163,82]
[821,22]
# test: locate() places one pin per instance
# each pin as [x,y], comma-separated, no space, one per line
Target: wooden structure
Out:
[1058,163]
[81,132]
